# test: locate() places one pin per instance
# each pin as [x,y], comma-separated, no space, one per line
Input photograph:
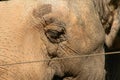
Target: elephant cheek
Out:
[30,49]
[76,38]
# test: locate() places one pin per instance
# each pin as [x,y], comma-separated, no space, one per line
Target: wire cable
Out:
[55,59]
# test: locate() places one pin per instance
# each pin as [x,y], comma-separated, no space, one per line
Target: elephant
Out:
[47,30]
[109,15]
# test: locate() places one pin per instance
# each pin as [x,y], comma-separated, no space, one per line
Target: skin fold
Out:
[32,30]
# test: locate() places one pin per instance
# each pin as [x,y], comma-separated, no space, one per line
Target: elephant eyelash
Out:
[42,22]
[45,22]
[48,21]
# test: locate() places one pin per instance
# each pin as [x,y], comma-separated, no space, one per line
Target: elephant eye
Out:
[55,34]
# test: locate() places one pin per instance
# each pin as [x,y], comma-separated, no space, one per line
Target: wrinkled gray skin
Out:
[33,30]
[109,15]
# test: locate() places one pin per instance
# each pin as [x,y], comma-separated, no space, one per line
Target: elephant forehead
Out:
[69,9]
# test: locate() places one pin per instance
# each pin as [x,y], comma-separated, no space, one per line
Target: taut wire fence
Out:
[55,59]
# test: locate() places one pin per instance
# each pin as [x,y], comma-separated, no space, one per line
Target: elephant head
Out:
[33,30]
[81,35]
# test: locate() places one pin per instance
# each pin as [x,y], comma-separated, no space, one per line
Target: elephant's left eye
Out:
[55,33]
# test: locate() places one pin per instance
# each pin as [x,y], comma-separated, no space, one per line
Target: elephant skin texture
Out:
[33,30]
